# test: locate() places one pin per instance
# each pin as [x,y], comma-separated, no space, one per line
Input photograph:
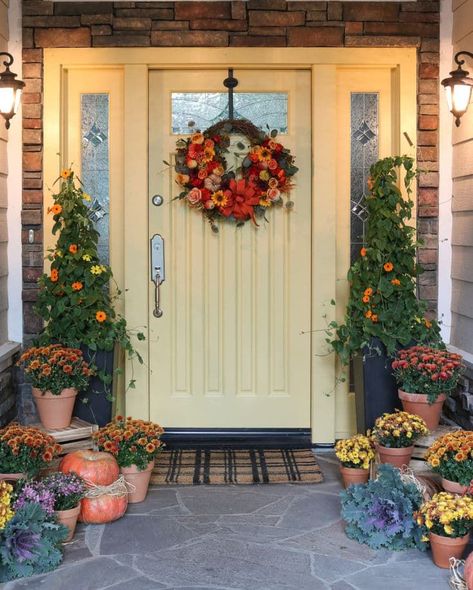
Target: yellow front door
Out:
[228,351]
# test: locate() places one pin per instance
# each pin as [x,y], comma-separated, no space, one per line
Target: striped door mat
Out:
[235,466]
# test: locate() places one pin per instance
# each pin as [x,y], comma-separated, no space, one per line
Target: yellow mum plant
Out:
[355,452]
[447,515]
[6,513]
[398,430]
[451,455]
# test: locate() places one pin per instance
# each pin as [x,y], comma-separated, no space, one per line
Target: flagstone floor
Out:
[273,537]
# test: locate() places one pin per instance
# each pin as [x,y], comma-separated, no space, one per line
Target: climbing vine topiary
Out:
[74,298]
[383,302]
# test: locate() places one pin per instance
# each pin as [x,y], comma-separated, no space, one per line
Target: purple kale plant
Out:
[380,512]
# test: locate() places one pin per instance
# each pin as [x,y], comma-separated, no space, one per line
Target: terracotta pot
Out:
[397,457]
[418,403]
[445,547]
[139,481]
[69,519]
[12,476]
[55,411]
[453,487]
[351,475]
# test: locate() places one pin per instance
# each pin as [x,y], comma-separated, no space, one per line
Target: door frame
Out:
[331,403]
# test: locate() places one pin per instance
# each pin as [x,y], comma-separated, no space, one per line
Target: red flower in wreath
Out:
[242,197]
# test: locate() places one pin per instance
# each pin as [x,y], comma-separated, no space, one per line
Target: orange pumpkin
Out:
[95,467]
[468,571]
[102,509]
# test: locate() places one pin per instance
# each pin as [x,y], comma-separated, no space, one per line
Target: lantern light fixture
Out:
[10,90]
[458,87]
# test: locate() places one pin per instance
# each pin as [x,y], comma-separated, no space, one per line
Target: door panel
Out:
[228,351]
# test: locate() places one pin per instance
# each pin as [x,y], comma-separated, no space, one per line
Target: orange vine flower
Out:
[368,314]
[73,248]
[100,316]
[395,282]
[363,252]
[56,209]
[366,299]
[374,318]
[77,286]
[66,173]
[54,275]
[368,292]
[388,266]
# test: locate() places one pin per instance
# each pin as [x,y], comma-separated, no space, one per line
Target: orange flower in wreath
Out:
[54,275]
[73,248]
[100,316]
[388,266]
[242,198]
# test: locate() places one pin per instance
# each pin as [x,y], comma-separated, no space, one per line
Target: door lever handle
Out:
[157,271]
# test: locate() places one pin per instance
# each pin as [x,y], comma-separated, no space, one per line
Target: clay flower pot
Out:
[418,403]
[453,487]
[69,519]
[445,547]
[12,476]
[351,475]
[397,457]
[55,411]
[138,480]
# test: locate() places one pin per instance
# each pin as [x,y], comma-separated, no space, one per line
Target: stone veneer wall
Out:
[256,23]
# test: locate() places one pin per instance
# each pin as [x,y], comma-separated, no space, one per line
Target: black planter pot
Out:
[95,404]
[375,386]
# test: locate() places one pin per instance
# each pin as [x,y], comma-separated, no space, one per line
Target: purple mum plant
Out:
[34,492]
[67,489]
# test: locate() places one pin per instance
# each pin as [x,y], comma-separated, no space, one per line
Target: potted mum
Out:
[425,377]
[75,301]
[395,435]
[447,520]
[67,489]
[355,455]
[383,313]
[135,445]
[24,450]
[451,456]
[57,374]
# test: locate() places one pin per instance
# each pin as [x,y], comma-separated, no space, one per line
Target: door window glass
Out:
[199,110]
[95,158]
[364,153]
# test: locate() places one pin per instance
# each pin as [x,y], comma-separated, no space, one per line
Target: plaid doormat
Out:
[231,466]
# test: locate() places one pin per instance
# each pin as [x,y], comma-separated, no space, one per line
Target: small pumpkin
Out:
[468,571]
[104,508]
[95,467]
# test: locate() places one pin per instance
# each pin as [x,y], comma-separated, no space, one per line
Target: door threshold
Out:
[237,438]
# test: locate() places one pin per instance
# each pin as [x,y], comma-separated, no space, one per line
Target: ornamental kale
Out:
[380,512]
[67,489]
[30,543]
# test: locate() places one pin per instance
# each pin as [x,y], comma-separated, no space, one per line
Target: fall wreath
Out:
[260,181]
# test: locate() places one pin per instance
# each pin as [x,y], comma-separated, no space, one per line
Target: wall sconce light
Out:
[458,88]
[10,90]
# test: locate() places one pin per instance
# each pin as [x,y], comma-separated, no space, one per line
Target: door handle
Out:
[158,273]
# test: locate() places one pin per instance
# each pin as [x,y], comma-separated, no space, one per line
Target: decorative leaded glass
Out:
[199,110]
[364,153]
[95,158]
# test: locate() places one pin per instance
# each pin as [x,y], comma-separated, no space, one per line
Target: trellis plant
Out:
[74,298]
[383,302]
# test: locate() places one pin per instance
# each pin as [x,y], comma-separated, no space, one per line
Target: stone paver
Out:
[281,537]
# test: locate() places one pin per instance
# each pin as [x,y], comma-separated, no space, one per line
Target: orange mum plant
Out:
[54,368]
[383,302]
[130,441]
[451,455]
[74,298]
[25,449]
